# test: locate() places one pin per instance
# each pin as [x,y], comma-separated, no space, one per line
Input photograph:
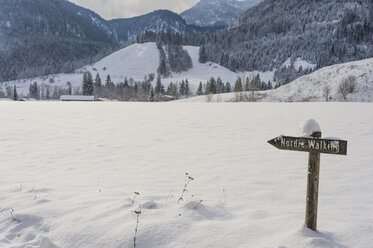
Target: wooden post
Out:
[314,146]
[313,186]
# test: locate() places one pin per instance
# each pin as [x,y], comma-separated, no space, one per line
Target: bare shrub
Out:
[209,97]
[188,179]
[326,92]
[137,214]
[347,86]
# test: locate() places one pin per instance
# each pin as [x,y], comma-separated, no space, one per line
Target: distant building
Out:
[77,98]
[167,98]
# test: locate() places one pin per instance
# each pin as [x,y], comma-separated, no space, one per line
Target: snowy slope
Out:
[135,62]
[310,87]
[69,170]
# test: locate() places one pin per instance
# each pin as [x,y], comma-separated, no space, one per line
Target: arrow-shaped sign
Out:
[337,147]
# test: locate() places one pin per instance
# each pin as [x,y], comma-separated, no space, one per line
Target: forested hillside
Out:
[320,32]
[43,37]
[219,13]
[39,37]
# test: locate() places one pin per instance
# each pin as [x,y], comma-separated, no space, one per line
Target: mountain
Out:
[39,37]
[160,20]
[275,34]
[216,12]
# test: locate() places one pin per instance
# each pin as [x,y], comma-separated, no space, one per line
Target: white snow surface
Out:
[299,62]
[308,127]
[137,61]
[69,171]
[309,88]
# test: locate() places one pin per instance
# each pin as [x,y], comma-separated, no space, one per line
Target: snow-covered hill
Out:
[136,61]
[69,171]
[312,87]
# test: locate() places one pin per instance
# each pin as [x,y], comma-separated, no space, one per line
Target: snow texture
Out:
[69,171]
[308,127]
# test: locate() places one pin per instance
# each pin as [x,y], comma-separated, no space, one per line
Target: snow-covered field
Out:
[69,171]
[310,88]
[137,61]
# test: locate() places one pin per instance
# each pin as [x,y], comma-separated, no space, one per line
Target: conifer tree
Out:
[34,91]
[109,87]
[15,94]
[200,89]
[187,88]
[247,84]
[202,54]
[269,85]
[158,86]
[228,87]
[170,88]
[151,96]
[182,88]
[47,94]
[220,86]
[126,82]
[98,83]
[212,86]
[238,85]
[162,67]
[69,88]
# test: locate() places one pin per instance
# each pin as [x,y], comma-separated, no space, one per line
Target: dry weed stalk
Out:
[188,179]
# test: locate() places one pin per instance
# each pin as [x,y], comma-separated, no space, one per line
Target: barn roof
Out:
[77,98]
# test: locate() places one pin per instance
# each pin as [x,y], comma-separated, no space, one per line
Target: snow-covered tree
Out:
[87,86]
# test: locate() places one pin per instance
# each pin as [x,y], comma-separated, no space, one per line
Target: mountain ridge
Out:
[218,13]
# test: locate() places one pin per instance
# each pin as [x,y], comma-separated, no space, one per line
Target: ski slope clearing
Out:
[203,72]
[69,172]
[310,88]
[137,61]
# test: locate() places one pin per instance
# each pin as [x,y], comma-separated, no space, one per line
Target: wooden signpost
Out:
[314,146]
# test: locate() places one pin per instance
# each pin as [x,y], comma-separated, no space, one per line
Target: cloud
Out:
[110,9]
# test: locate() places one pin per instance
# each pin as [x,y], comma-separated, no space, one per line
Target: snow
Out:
[69,170]
[287,63]
[299,62]
[137,61]
[308,127]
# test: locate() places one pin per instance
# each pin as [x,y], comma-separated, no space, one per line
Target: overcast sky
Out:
[110,9]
